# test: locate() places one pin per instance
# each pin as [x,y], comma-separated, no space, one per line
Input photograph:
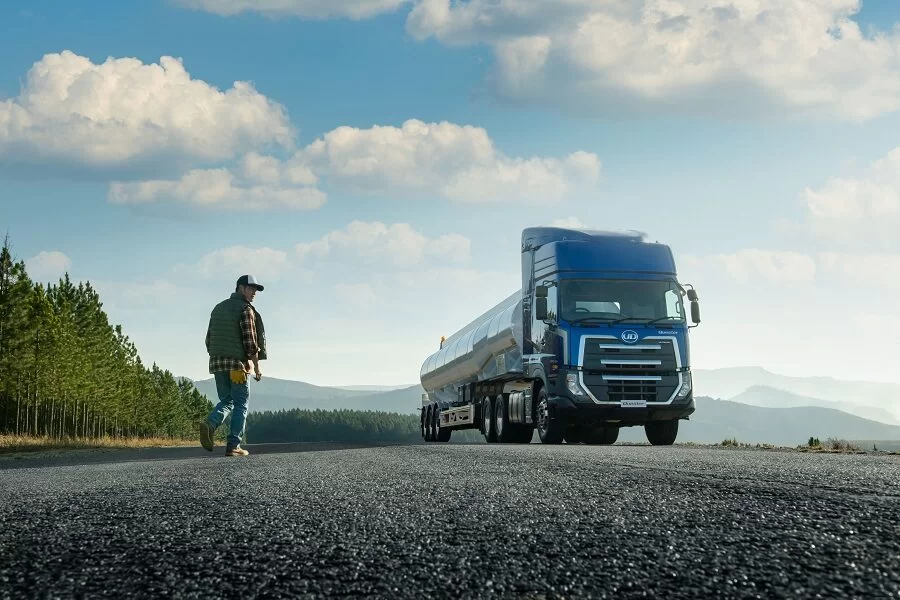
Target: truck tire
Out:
[506,432]
[423,423]
[602,435]
[524,434]
[436,425]
[551,431]
[487,420]
[575,435]
[662,433]
[429,421]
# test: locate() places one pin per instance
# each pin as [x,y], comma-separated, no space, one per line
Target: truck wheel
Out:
[662,433]
[602,435]
[505,431]
[443,434]
[523,435]
[422,426]
[550,430]
[487,420]
[575,435]
[436,424]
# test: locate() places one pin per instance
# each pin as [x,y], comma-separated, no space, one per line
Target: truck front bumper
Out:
[591,413]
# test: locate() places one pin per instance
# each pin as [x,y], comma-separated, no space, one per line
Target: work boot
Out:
[207,432]
[236,451]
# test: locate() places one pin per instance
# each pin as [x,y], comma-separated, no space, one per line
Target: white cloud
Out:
[124,113]
[398,244]
[47,266]
[259,188]
[862,211]
[726,57]
[458,162]
[313,9]
[751,266]
[231,262]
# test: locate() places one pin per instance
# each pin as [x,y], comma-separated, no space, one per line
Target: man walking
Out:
[236,342]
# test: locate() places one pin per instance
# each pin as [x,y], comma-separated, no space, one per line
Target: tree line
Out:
[342,425]
[65,371]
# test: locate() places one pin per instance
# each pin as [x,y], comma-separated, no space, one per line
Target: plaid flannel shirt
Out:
[248,333]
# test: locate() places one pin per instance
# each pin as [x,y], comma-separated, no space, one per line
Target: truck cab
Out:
[606,332]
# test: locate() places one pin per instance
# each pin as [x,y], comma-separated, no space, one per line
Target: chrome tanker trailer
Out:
[595,339]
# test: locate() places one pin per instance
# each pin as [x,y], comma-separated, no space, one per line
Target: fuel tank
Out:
[490,347]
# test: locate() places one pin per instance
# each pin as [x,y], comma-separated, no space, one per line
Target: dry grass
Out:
[13,443]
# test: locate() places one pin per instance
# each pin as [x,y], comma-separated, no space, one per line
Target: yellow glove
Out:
[238,377]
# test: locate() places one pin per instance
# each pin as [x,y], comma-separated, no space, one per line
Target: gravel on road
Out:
[453,520]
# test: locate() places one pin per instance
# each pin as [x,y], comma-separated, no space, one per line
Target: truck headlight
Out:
[573,386]
[686,385]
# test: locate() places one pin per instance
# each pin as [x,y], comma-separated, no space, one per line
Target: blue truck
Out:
[595,339]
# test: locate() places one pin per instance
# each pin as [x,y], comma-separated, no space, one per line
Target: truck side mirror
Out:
[695,311]
[540,308]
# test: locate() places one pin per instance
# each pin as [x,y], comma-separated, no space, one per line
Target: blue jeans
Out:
[233,398]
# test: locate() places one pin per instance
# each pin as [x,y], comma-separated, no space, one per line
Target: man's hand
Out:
[258,372]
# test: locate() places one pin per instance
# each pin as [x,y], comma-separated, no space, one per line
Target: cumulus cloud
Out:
[728,57]
[397,245]
[859,211]
[47,265]
[312,9]
[456,162]
[122,113]
[233,261]
[263,182]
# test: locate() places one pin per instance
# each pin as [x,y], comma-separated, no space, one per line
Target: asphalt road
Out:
[451,521]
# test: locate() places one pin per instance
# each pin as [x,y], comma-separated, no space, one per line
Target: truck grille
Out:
[615,371]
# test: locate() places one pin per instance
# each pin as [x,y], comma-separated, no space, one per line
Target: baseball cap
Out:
[250,280]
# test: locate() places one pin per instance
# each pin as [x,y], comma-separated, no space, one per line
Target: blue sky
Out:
[747,138]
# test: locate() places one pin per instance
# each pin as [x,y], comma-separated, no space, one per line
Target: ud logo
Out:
[629,336]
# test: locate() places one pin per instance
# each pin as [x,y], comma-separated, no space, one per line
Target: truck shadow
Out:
[39,459]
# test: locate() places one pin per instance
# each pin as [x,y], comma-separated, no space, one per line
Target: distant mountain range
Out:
[750,404]
[875,400]
[272,394]
[718,420]
[374,388]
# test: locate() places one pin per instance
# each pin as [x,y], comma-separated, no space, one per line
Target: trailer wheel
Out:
[487,420]
[429,437]
[662,433]
[551,431]
[422,423]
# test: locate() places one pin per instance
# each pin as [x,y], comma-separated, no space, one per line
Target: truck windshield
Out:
[616,300]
